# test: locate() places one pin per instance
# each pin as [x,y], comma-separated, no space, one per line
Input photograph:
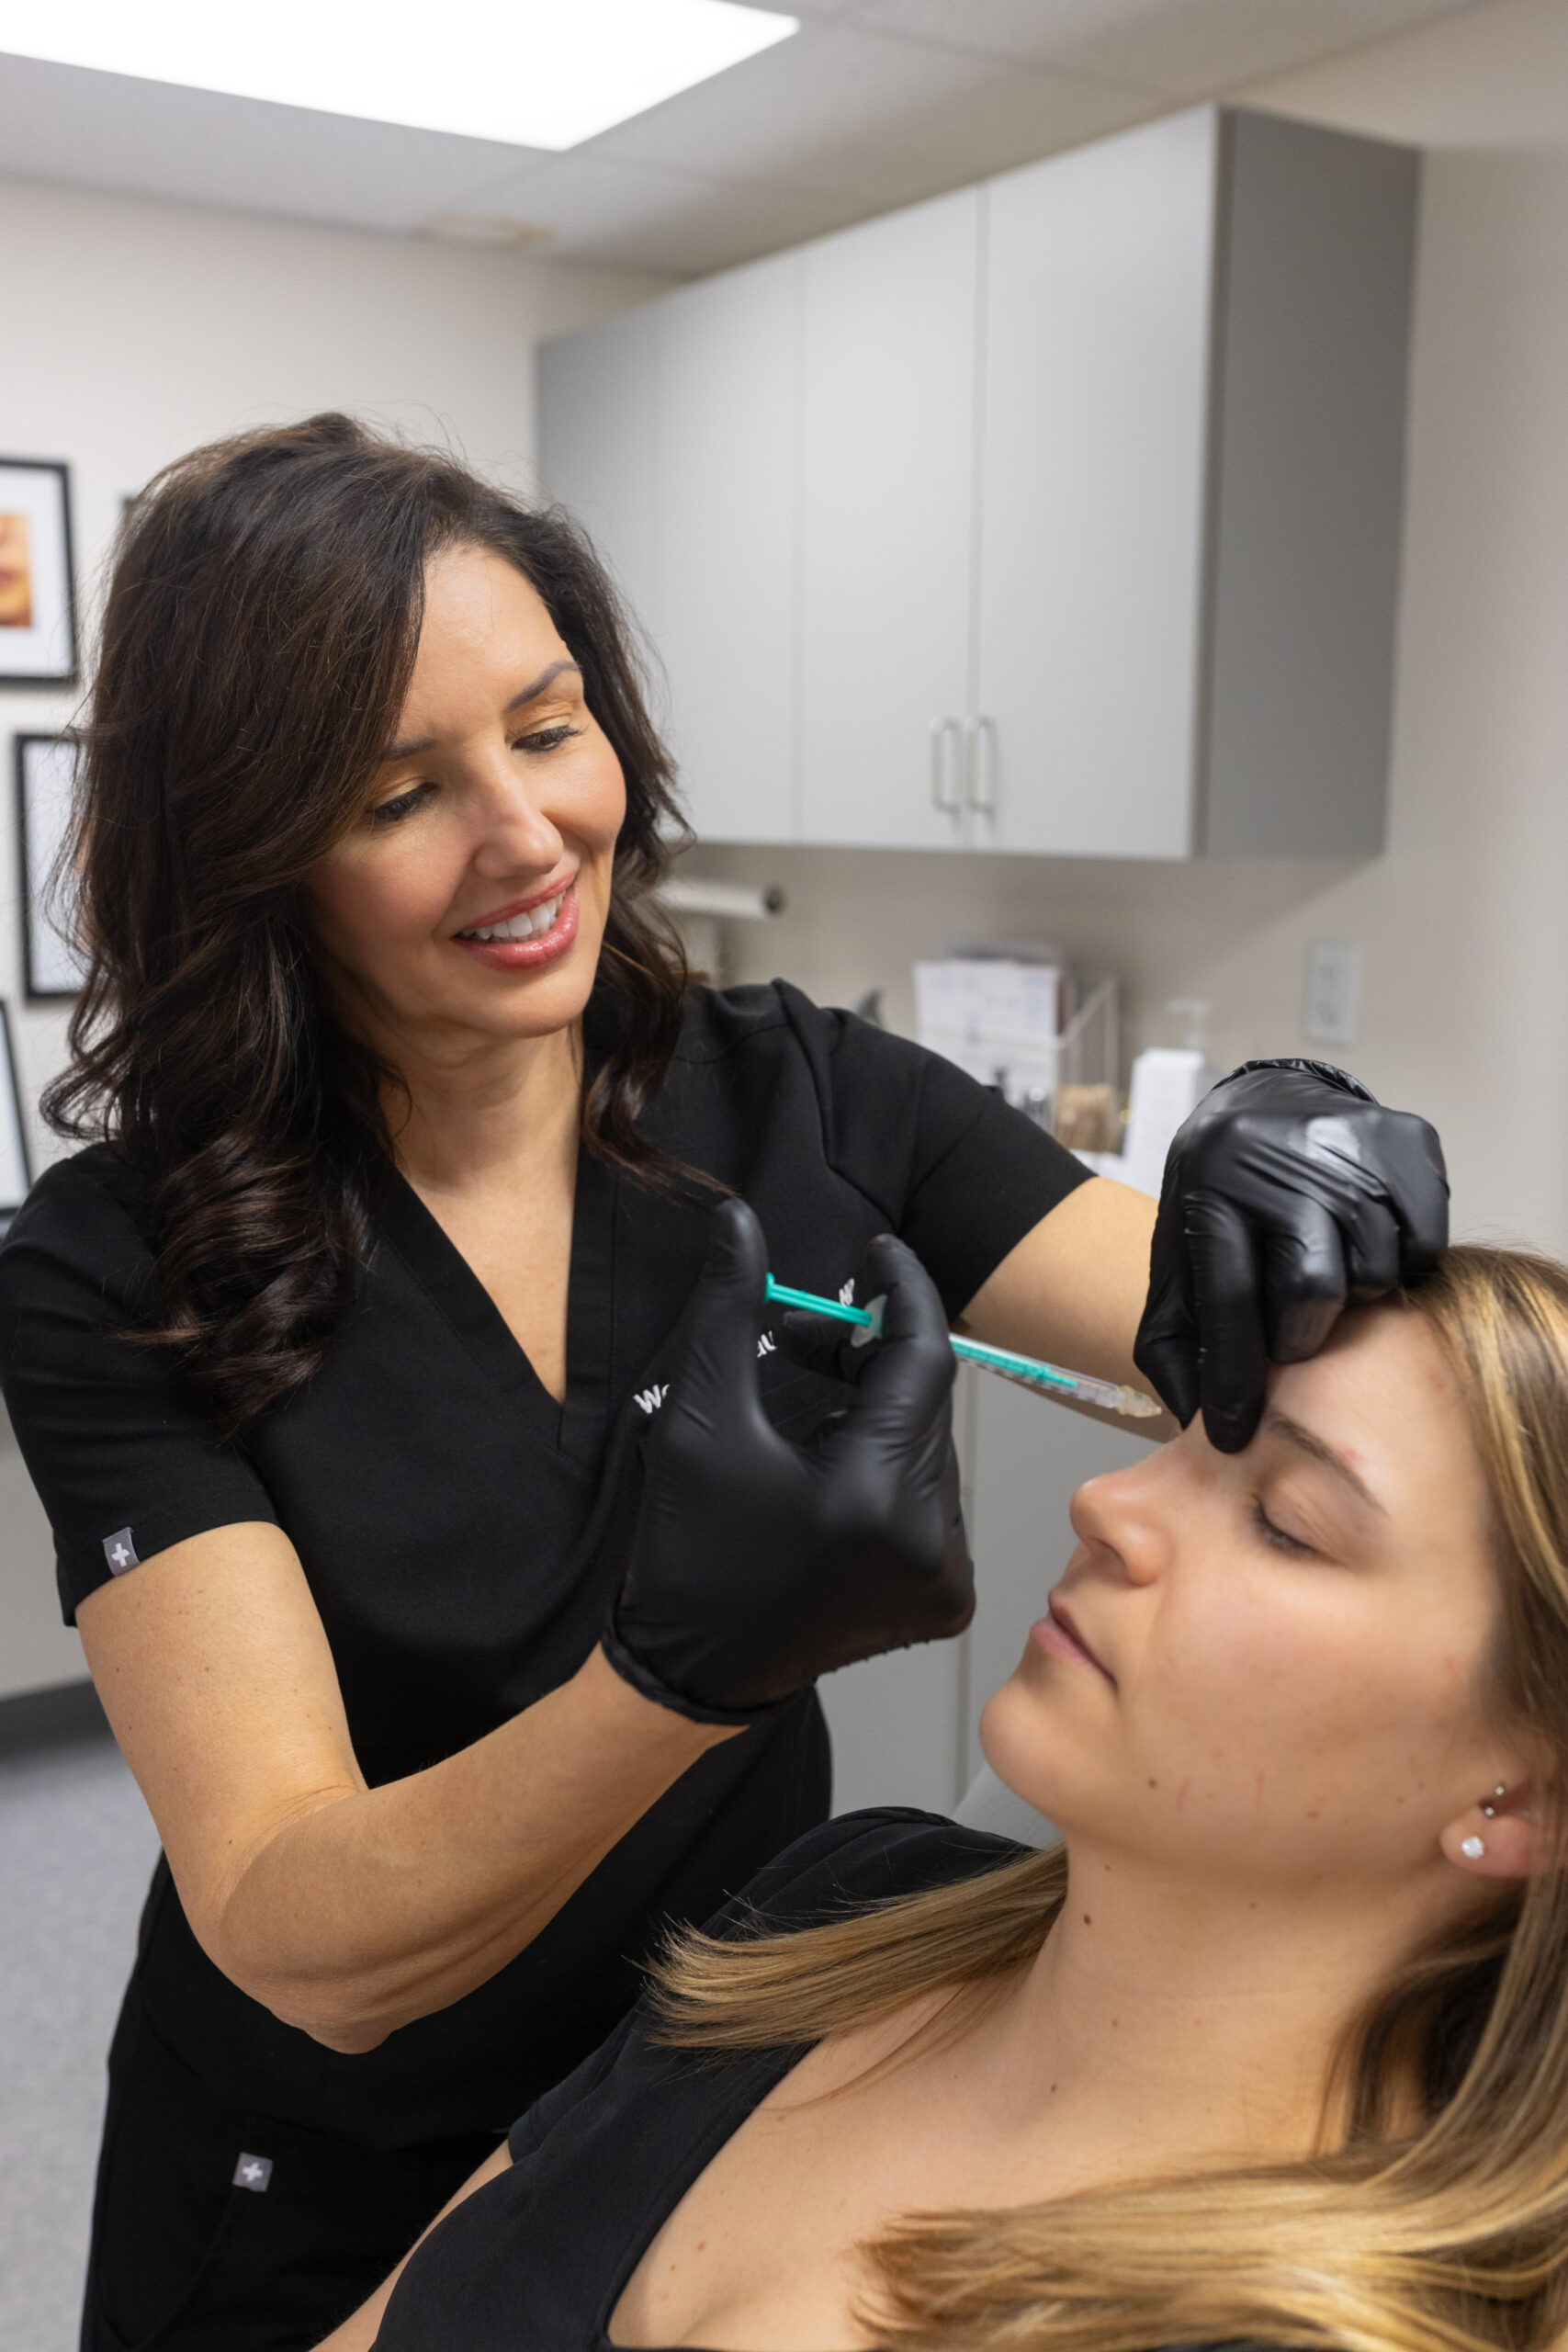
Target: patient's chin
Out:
[1020,1750]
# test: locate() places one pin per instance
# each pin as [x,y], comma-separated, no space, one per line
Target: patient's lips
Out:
[1058,1636]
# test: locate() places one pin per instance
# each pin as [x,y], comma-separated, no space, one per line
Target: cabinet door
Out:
[1093,450]
[726,539]
[596,425]
[890,347]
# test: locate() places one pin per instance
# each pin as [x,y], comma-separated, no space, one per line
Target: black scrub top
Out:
[464,1534]
[537,2260]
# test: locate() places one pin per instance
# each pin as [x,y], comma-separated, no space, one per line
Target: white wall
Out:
[1465,919]
[137,330]
[134,331]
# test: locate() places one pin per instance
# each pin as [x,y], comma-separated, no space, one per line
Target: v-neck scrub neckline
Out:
[463,1535]
[575,1422]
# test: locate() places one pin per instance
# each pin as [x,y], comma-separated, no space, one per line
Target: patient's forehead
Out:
[1386,1341]
[1384,1392]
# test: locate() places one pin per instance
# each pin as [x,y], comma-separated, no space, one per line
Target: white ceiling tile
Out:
[873,103]
[648,217]
[882,119]
[1189,49]
[107,130]
[1027,31]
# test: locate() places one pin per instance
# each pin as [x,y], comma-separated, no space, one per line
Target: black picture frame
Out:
[39,649]
[50,971]
[16,1155]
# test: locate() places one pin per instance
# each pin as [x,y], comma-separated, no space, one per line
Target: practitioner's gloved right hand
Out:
[1287,1194]
[758,1564]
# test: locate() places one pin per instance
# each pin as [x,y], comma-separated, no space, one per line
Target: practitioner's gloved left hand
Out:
[1288,1191]
[758,1564]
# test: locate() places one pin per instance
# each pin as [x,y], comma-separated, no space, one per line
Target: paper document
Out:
[1000,1021]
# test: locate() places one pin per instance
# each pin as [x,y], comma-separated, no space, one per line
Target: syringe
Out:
[1042,1379]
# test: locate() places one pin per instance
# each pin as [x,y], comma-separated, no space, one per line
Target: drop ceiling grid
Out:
[874,104]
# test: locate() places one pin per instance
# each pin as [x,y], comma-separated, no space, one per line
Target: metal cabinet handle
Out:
[980,763]
[946,792]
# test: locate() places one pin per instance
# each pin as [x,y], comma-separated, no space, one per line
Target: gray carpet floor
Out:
[76,1851]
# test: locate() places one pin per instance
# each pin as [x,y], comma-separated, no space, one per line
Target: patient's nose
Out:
[1122,1518]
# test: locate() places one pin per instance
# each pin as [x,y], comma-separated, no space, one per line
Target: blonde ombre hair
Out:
[1435,2219]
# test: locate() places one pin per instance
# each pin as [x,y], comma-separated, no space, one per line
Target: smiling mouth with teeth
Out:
[531,925]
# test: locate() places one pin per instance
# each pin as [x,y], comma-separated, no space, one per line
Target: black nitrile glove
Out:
[1288,1191]
[757,1563]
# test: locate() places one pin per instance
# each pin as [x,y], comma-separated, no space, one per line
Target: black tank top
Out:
[537,2260]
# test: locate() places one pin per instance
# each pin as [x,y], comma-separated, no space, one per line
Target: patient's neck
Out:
[1166,2025]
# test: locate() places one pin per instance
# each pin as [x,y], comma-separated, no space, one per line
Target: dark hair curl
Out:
[258,637]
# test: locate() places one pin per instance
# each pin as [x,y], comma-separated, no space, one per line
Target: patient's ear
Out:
[1504,1835]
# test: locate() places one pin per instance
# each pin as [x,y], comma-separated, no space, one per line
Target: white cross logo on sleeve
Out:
[120,1556]
[120,1552]
[253,2171]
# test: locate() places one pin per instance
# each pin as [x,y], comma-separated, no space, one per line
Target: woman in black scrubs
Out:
[331,1356]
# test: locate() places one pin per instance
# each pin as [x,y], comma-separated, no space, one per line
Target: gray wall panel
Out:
[1308,441]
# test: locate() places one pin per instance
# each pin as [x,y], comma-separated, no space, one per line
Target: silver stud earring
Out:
[1489,1807]
[1472,1848]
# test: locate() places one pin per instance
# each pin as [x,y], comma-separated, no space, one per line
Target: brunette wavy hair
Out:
[260,629]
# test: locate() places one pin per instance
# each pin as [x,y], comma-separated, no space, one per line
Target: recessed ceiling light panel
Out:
[531,72]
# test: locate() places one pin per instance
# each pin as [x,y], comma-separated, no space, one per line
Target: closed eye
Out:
[404,805]
[392,812]
[547,739]
[1276,1536]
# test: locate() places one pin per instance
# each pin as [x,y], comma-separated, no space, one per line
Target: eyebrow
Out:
[530,693]
[1308,1442]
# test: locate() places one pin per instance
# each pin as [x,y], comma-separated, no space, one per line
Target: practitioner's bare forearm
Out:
[349,1911]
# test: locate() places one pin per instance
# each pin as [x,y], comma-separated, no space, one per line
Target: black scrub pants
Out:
[185,2258]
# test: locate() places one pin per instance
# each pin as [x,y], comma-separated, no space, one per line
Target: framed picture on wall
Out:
[38,598]
[46,776]
[16,1167]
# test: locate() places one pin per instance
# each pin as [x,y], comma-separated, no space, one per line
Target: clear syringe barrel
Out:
[1044,1379]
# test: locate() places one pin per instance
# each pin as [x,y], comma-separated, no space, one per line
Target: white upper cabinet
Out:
[725,539]
[1314,267]
[595,411]
[1192,462]
[888,350]
[1093,448]
[1060,515]
[671,431]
